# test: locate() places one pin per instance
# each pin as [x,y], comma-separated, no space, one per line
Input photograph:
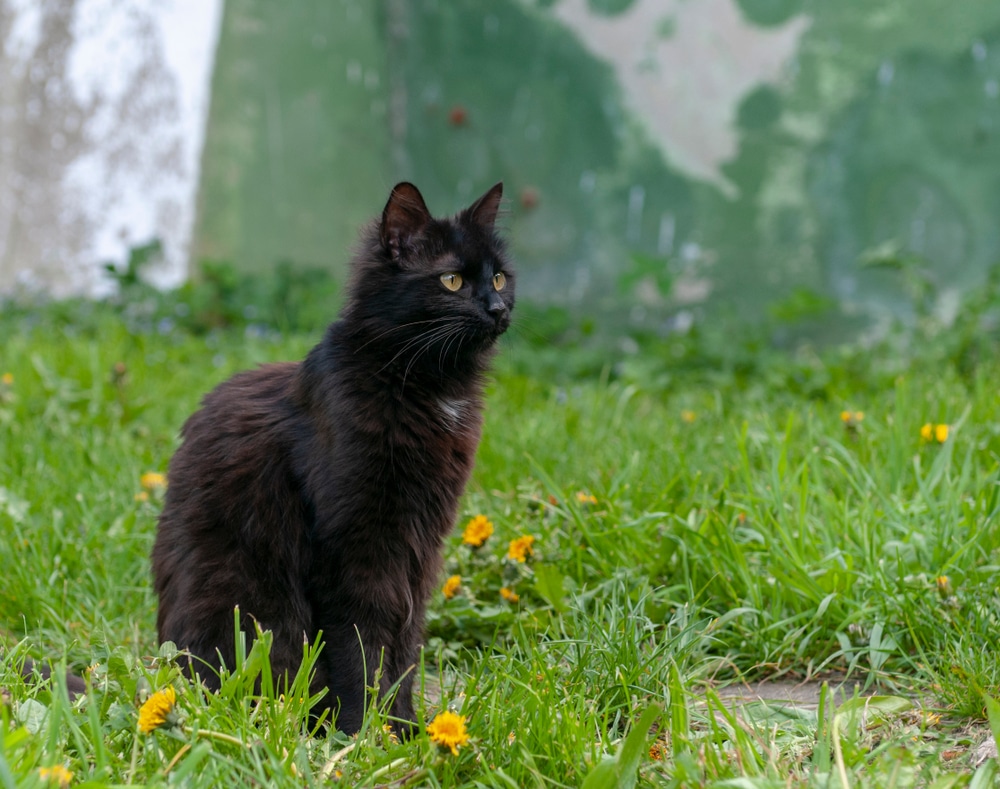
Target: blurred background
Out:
[826,169]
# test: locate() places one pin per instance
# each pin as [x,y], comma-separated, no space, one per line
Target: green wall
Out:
[296,150]
[883,125]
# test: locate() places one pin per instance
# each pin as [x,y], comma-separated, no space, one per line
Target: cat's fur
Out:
[316,495]
[75,685]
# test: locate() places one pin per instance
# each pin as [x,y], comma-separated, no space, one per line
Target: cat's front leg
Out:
[344,663]
[355,658]
[401,667]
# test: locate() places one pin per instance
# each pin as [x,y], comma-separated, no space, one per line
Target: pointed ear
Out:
[484,210]
[403,217]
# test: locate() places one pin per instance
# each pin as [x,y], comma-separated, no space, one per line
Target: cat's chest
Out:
[429,418]
[453,413]
[406,436]
[441,429]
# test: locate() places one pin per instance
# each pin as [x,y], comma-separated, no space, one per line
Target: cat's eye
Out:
[451,281]
[499,281]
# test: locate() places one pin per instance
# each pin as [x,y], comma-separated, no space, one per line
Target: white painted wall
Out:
[103,106]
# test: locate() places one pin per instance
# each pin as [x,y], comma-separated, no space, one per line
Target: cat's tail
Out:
[75,686]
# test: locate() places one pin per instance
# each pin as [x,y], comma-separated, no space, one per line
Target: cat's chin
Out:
[487,340]
[493,328]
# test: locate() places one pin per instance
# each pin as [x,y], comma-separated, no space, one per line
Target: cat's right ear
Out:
[404,217]
[484,210]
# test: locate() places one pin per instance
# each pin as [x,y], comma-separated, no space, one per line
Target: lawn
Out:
[689,532]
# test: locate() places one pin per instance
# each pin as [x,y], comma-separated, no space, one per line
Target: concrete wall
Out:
[654,151]
[730,149]
[102,115]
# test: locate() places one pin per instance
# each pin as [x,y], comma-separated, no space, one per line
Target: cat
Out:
[76,686]
[316,495]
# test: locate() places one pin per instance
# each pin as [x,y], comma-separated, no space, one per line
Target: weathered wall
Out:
[297,151]
[732,148]
[102,109]
[651,149]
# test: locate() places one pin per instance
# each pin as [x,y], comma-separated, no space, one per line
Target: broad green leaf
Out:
[549,585]
[604,775]
[634,747]
[993,715]
[622,770]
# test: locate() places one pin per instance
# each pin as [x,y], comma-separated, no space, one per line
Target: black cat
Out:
[316,495]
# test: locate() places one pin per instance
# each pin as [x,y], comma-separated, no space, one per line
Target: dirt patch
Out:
[798,693]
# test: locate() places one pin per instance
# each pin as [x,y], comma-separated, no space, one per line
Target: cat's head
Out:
[439,288]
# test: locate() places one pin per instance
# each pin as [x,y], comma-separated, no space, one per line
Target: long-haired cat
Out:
[316,495]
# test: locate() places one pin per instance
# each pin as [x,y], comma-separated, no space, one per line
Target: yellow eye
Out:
[452,281]
[499,281]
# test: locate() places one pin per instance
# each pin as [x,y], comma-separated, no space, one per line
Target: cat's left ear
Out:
[404,216]
[484,211]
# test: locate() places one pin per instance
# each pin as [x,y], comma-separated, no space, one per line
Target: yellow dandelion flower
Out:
[477,531]
[450,588]
[7,379]
[688,416]
[931,718]
[932,432]
[943,583]
[57,774]
[586,498]
[142,496]
[521,548]
[153,480]
[157,710]
[448,729]
[509,594]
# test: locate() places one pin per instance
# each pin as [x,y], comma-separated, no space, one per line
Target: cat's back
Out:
[243,406]
[236,454]
[234,521]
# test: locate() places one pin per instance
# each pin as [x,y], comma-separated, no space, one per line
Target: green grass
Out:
[737,530]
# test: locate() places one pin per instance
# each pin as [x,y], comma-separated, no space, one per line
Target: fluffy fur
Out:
[316,495]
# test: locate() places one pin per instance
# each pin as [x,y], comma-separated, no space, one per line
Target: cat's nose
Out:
[495,306]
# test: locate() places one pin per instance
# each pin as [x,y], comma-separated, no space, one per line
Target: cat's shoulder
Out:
[247,402]
[265,381]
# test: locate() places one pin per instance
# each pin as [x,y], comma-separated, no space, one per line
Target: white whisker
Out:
[401,326]
[430,335]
